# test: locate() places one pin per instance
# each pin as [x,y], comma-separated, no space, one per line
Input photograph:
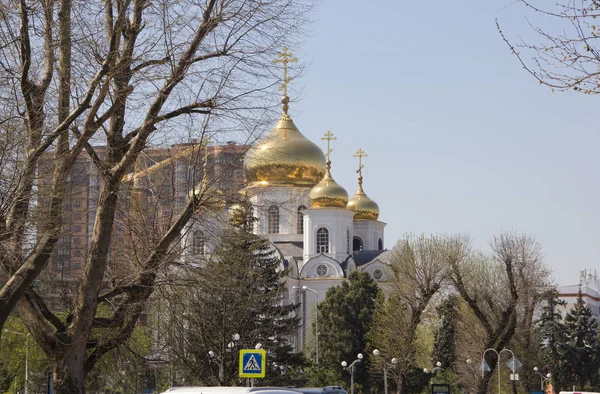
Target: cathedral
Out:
[320,233]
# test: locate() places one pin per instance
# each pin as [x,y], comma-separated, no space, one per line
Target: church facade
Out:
[320,233]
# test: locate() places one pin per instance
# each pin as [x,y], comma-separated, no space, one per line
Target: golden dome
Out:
[285,157]
[328,193]
[364,208]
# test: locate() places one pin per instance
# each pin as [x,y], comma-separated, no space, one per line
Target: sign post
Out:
[437,388]
[253,363]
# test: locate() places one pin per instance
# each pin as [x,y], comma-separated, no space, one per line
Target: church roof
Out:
[385,256]
[366,256]
[290,249]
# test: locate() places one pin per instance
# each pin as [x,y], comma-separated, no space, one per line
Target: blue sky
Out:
[460,138]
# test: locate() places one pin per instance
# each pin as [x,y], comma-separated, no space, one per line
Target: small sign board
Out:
[253,363]
[438,388]
[513,364]
[483,366]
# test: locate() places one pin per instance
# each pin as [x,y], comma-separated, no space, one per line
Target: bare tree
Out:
[127,71]
[420,271]
[491,286]
[567,55]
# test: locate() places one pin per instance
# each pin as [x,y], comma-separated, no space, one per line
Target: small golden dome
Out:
[328,193]
[285,157]
[364,208]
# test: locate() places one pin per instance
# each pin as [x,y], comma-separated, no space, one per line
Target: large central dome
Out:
[285,157]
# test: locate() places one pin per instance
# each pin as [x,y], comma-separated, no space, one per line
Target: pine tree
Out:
[443,350]
[345,316]
[552,332]
[241,291]
[581,341]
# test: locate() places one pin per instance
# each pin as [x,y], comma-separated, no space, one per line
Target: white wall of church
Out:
[338,222]
[370,232]
[287,200]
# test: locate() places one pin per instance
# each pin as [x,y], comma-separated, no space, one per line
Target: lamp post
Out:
[219,358]
[306,288]
[497,355]
[350,368]
[386,366]
[437,367]
[26,355]
[543,378]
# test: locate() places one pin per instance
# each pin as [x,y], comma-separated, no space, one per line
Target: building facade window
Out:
[322,240]
[322,270]
[300,221]
[63,251]
[380,244]
[357,244]
[377,275]
[273,220]
[197,242]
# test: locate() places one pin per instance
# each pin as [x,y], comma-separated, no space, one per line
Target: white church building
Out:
[321,233]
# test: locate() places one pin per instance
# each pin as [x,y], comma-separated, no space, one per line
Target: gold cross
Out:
[360,154]
[328,137]
[285,57]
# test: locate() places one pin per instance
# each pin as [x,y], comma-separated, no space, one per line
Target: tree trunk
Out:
[401,384]
[69,376]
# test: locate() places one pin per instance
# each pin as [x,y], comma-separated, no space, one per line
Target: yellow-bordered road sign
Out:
[253,363]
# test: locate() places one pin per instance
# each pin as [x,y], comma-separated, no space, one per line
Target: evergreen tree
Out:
[443,350]
[345,316]
[241,291]
[552,333]
[581,342]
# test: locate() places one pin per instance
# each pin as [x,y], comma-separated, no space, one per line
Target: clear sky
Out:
[460,138]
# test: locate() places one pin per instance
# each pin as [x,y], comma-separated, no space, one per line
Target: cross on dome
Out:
[328,137]
[360,154]
[285,57]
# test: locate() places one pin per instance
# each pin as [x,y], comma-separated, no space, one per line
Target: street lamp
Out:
[543,378]
[26,355]
[386,366]
[219,358]
[306,288]
[497,355]
[437,367]
[350,368]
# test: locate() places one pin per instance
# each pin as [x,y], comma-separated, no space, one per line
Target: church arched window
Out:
[380,244]
[300,222]
[348,241]
[273,220]
[322,240]
[197,242]
[357,244]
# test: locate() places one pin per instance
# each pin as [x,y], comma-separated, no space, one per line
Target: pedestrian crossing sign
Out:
[253,363]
